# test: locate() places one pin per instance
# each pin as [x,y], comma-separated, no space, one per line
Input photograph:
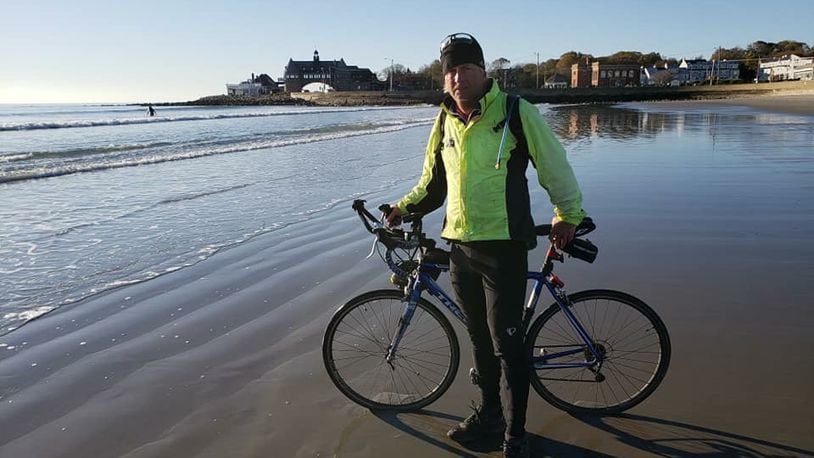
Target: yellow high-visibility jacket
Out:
[485,201]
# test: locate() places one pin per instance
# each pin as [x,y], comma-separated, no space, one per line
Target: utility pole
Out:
[712,73]
[391,73]
[538,71]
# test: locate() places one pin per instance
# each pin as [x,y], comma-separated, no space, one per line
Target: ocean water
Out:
[97,197]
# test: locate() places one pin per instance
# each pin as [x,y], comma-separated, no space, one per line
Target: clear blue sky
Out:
[176,50]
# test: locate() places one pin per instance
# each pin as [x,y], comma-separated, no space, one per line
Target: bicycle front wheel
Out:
[357,340]
[630,337]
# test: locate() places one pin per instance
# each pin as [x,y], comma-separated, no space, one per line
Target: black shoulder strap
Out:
[442,118]
[515,122]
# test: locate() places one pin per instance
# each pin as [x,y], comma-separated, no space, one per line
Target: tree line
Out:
[527,75]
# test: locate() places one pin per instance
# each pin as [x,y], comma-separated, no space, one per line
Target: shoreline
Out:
[552,96]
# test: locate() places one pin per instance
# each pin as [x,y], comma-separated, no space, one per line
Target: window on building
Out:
[603,74]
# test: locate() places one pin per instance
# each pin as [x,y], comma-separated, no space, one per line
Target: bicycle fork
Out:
[404,321]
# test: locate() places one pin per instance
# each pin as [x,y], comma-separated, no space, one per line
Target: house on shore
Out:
[700,70]
[788,67]
[581,74]
[601,73]
[334,73]
[664,75]
[556,81]
[254,87]
[614,75]
[656,76]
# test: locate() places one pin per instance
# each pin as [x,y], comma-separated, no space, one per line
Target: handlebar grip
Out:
[586,226]
[386,209]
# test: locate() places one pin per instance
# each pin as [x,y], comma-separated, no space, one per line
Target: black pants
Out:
[489,279]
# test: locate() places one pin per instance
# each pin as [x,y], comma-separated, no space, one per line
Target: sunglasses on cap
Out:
[457,38]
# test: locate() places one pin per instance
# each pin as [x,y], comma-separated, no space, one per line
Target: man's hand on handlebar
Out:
[561,234]
[394,217]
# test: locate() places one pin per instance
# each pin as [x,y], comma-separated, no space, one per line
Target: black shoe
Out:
[482,424]
[516,447]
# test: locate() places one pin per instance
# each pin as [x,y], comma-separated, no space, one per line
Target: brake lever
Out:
[377,225]
[372,248]
[554,254]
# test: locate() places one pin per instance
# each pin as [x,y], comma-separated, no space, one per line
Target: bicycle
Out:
[595,351]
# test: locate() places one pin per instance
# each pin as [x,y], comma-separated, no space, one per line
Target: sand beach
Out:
[222,359]
[793,102]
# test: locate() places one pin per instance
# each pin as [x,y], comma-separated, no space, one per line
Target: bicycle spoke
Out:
[369,339]
[648,363]
[419,375]
[366,326]
[621,386]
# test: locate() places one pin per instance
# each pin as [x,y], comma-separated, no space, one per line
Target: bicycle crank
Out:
[601,352]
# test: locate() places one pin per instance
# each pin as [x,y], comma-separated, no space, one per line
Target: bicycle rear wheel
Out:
[631,337]
[357,340]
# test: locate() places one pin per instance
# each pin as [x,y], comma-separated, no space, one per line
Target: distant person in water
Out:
[150,110]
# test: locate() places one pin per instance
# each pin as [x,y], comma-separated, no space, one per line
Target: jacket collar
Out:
[486,101]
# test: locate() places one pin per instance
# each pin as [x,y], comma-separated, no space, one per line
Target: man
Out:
[480,169]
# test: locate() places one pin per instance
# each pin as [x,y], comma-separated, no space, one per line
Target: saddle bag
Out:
[582,249]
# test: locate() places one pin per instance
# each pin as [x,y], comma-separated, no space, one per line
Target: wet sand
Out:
[222,359]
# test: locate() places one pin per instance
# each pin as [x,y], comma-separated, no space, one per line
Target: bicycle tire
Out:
[356,342]
[635,343]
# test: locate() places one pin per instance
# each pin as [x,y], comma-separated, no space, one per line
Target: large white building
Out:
[690,72]
[789,67]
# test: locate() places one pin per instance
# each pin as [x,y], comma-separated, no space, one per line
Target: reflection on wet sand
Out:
[590,121]
[745,133]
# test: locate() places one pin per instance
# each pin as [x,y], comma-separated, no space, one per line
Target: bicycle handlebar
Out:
[396,237]
[393,237]
[583,228]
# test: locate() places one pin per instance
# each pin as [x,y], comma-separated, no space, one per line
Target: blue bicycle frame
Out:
[424,281]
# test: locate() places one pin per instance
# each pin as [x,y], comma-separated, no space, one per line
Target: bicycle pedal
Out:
[474,377]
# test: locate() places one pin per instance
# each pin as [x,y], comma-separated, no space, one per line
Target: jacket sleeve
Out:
[553,170]
[431,190]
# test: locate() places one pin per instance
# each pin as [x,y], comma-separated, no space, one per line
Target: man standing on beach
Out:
[481,171]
